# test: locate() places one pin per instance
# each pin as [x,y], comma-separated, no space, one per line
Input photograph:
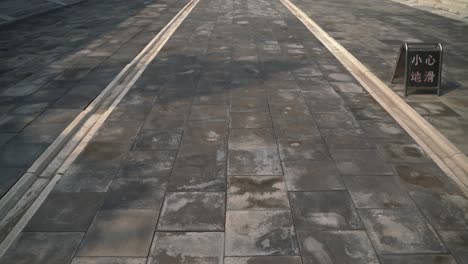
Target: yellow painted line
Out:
[75,137]
[444,153]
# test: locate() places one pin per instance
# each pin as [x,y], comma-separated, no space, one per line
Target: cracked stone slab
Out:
[104,237]
[457,242]
[254,162]
[302,149]
[186,248]
[53,248]
[193,211]
[263,260]
[66,212]
[400,231]
[360,162]
[246,139]
[332,210]
[260,233]
[349,246]
[256,193]
[312,175]
[417,259]
[377,192]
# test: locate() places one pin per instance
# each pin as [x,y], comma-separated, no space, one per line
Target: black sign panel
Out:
[423,68]
[421,65]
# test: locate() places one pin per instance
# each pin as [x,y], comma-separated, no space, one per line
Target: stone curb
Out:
[447,156]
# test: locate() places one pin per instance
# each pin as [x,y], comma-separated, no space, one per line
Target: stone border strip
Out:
[447,156]
[25,198]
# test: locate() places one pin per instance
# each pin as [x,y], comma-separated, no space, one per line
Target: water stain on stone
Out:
[248,185]
[392,205]
[412,151]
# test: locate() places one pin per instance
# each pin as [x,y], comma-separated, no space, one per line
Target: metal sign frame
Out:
[402,68]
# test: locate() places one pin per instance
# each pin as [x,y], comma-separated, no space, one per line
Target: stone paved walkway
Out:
[54,65]
[373,33]
[245,141]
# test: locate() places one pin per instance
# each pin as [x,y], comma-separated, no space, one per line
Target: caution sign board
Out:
[420,64]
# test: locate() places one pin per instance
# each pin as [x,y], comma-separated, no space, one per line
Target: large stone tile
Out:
[40,133]
[135,194]
[360,162]
[382,130]
[377,192]
[163,121]
[256,193]
[335,247]
[209,112]
[250,120]
[324,211]
[125,233]
[193,211]
[405,152]
[344,120]
[258,138]
[432,109]
[205,132]
[117,132]
[254,162]
[457,242]
[108,260]
[66,212]
[400,231]
[15,154]
[87,178]
[9,178]
[147,164]
[156,139]
[345,138]
[14,123]
[289,111]
[50,248]
[249,104]
[295,128]
[186,248]
[263,260]
[317,105]
[257,233]
[312,175]
[285,98]
[424,176]
[302,149]
[417,259]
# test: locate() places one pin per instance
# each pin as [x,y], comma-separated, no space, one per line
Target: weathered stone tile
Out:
[302,149]
[163,121]
[209,98]
[249,104]
[350,246]
[285,98]
[289,111]
[258,138]
[104,237]
[15,154]
[443,209]
[256,193]
[103,153]
[345,138]
[156,139]
[342,119]
[295,128]
[424,176]
[147,164]
[205,132]
[432,109]
[193,211]
[457,242]
[371,114]
[325,105]
[377,192]
[324,93]
[330,210]
[257,233]
[210,175]
[53,248]
[135,194]
[405,152]
[129,113]
[347,87]
[5,137]
[185,248]
[382,130]
[57,116]
[312,175]
[108,260]
[65,212]
[117,132]
[9,178]
[400,231]
[14,123]
[360,162]
[417,259]
[40,133]
[340,77]
[82,177]
[209,112]
[311,84]
[263,260]
[250,120]
[254,162]
[29,108]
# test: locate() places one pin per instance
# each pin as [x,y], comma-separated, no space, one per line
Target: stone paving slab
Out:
[229,162]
